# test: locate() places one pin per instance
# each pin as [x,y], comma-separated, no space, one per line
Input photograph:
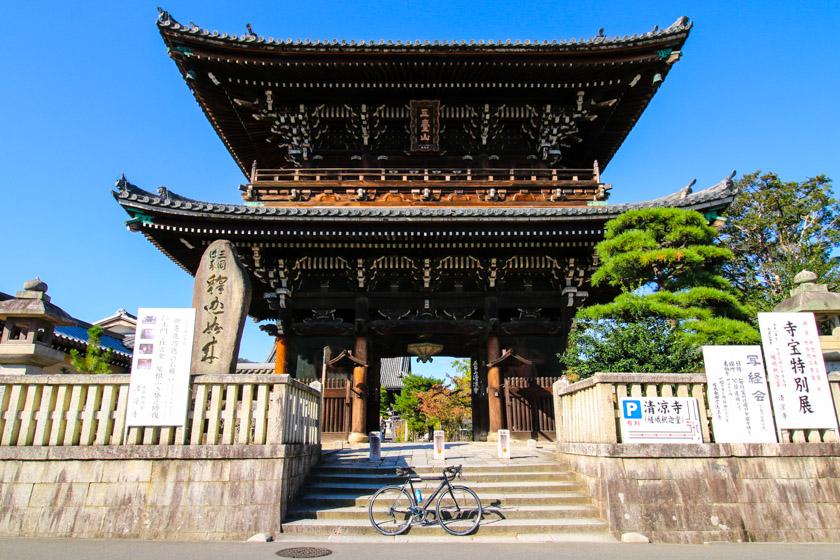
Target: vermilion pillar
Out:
[358,433]
[494,389]
[280,363]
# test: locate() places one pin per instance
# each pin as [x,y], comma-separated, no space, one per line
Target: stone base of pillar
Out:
[358,437]
[492,436]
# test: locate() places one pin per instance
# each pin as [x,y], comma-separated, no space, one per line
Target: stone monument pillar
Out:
[221,299]
[30,323]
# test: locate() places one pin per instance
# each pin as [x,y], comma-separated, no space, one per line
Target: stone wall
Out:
[153,492]
[714,492]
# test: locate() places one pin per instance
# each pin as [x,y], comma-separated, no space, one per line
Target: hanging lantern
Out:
[424,350]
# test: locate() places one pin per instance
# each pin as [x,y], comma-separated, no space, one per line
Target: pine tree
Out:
[673,298]
[96,360]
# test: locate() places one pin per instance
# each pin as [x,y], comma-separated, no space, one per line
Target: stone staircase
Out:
[524,501]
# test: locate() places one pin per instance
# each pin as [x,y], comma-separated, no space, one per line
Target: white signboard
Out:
[796,371]
[440,445]
[160,370]
[660,420]
[738,395]
[504,444]
[375,454]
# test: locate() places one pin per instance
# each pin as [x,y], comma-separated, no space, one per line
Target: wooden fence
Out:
[91,410]
[587,411]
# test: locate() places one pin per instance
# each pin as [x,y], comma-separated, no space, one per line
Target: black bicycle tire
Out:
[372,501]
[477,519]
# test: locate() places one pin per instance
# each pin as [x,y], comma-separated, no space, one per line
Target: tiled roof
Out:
[598,42]
[254,368]
[393,370]
[78,333]
[129,195]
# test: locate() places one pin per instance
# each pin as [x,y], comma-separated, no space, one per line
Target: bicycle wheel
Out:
[459,511]
[389,510]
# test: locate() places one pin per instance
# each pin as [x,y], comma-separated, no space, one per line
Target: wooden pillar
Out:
[358,424]
[281,364]
[494,390]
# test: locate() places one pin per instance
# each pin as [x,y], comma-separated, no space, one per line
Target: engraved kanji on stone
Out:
[209,351]
[213,327]
[215,307]
[216,283]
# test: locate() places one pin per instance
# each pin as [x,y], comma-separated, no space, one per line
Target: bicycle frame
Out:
[417,509]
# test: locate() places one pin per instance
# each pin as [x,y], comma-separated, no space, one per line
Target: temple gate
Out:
[439,197]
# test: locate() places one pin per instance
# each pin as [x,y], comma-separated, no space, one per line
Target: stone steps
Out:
[537,500]
[491,513]
[553,498]
[389,477]
[519,487]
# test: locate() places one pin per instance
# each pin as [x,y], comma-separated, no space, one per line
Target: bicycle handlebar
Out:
[453,470]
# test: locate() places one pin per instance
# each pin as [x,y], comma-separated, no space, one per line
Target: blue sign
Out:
[631,409]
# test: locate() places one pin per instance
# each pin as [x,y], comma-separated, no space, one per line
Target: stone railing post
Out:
[559,426]
[277,410]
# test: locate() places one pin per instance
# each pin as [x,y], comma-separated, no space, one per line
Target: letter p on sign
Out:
[632,409]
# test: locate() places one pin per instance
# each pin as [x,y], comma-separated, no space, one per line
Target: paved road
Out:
[63,549]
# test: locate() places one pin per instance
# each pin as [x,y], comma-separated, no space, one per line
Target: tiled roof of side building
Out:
[79,333]
[393,370]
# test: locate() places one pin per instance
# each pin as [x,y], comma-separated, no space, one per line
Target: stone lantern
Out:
[809,296]
[30,321]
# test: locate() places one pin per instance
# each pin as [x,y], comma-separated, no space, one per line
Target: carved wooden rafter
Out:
[294,129]
[552,128]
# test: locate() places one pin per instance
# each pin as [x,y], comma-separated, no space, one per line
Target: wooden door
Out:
[335,417]
[529,406]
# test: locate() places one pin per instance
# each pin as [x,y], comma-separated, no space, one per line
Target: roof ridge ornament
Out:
[682,22]
[164,19]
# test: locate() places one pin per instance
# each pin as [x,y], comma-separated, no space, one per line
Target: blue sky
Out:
[89,92]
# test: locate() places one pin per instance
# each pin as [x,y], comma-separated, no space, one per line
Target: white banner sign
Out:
[660,420]
[796,371]
[738,395]
[160,370]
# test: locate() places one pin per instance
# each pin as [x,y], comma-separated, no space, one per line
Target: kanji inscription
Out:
[796,371]
[221,298]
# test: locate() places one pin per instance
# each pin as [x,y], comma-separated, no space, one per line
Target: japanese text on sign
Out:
[796,371]
[738,395]
[660,420]
[160,374]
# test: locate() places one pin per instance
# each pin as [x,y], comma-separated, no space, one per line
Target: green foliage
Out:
[670,248]
[776,229]
[647,345]
[674,298]
[407,403]
[386,401]
[96,360]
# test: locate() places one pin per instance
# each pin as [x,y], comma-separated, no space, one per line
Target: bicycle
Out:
[393,509]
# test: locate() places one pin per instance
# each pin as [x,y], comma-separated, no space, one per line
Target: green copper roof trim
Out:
[138,217]
[183,49]
[664,53]
[255,204]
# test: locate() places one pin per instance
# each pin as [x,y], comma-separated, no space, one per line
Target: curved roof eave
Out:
[169,27]
[130,196]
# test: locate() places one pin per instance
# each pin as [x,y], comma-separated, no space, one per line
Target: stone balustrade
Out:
[587,411]
[87,410]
